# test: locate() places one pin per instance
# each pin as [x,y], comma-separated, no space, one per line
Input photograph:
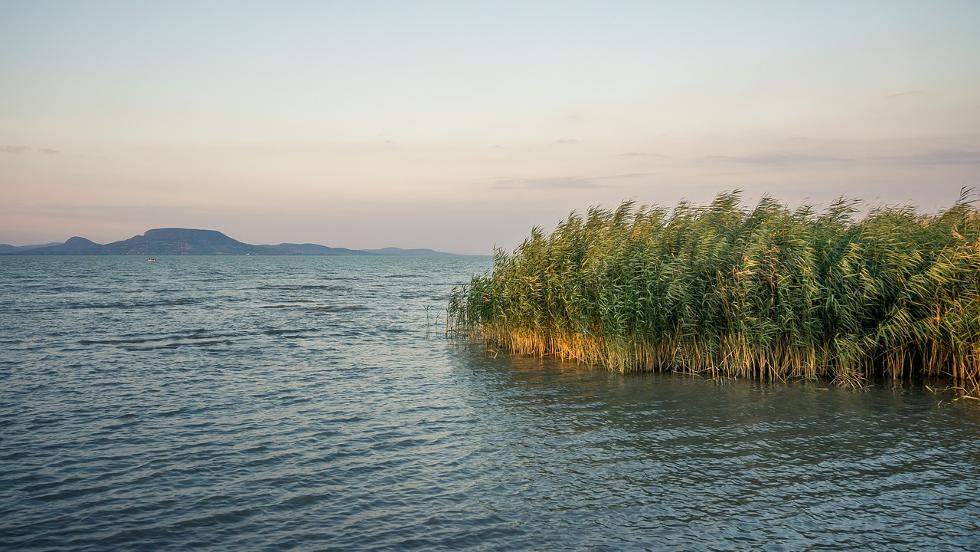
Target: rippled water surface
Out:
[309,403]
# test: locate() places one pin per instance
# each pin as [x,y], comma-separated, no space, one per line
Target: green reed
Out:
[768,292]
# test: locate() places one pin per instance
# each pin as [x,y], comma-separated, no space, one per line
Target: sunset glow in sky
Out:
[458,125]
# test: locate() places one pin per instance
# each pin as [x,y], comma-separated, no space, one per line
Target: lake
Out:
[234,403]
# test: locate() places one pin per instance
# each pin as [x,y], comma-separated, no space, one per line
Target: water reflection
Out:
[687,460]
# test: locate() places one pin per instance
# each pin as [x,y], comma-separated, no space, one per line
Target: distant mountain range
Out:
[189,241]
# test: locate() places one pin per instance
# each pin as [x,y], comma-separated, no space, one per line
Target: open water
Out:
[267,403]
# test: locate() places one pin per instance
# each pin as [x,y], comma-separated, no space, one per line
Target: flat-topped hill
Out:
[192,241]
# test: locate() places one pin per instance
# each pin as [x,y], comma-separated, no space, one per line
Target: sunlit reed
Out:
[769,292]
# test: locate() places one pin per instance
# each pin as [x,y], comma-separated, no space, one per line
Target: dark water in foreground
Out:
[308,403]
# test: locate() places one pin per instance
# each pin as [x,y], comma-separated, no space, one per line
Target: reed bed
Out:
[767,292]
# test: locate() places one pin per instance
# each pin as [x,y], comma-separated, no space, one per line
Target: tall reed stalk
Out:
[768,292]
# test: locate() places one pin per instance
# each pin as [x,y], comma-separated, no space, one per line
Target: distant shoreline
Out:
[263,255]
[192,241]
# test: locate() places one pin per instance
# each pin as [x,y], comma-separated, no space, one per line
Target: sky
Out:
[459,125]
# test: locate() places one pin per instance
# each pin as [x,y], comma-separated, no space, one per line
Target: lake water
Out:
[249,403]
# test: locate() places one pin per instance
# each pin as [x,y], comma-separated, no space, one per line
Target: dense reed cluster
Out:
[768,292]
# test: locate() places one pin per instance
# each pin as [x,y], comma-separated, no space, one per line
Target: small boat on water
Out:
[151,259]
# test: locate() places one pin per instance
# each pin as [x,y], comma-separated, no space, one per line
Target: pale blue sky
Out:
[458,125]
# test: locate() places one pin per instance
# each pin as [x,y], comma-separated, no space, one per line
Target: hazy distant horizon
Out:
[458,126]
[246,242]
[863,207]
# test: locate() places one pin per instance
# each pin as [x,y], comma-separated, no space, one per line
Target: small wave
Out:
[304,500]
[63,289]
[133,304]
[178,344]
[138,339]
[116,341]
[288,331]
[302,287]
[339,308]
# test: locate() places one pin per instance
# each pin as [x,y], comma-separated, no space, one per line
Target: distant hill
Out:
[399,252]
[6,249]
[313,249]
[190,241]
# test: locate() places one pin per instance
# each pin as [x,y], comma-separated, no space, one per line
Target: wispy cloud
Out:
[792,159]
[20,149]
[779,159]
[949,157]
[566,141]
[556,183]
[561,182]
[642,154]
[625,175]
[902,93]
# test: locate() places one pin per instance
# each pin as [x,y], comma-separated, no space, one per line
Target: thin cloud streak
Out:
[561,182]
[778,159]
[21,149]
[936,158]
[775,159]
[903,93]
[641,154]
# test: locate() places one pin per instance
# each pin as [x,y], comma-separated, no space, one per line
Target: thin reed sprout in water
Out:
[767,292]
